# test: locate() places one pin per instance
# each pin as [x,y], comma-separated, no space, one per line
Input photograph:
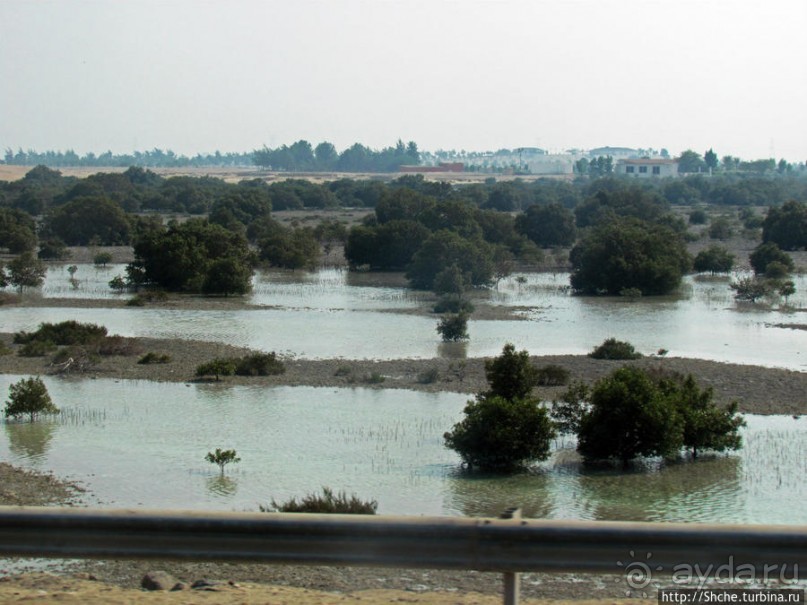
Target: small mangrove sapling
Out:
[222,458]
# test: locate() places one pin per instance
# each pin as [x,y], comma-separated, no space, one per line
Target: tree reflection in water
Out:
[30,440]
[221,485]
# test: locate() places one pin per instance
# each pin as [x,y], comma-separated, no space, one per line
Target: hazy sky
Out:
[198,76]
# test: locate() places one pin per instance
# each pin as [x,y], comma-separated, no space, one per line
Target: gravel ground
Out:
[19,487]
[757,389]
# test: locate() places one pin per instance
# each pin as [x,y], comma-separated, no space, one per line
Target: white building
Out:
[647,168]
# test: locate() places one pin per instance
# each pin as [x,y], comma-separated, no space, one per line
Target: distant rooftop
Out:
[649,161]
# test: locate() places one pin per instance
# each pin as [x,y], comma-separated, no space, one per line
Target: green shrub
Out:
[118,283]
[327,503]
[68,332]
[754,222]
[715,259]
[635,412]
[4,349]
[499,434]
[152,357]
[768,253]
[776,270]
[612,348]
[630,293]
[453,328]
[568,412]
[36,348]
[751,288]
[259,364]
[222,458]
[343,371]
[552,375]
[374,378]
[698,217]
[29,397]
[429,376]
[720,229]
[102,258]
[256,364]
[217,367]
[510,375]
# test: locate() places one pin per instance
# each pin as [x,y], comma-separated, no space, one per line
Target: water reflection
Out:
[656,491]
[221,485]
[452,350]
[30,440]
[563,488]
[475,495]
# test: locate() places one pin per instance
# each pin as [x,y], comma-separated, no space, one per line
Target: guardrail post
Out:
[512,579]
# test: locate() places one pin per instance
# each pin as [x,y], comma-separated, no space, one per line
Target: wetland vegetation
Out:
[221,291]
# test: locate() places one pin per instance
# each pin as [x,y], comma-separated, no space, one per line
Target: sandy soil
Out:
[19,487]
[757,390]
[45,589]
[240,173]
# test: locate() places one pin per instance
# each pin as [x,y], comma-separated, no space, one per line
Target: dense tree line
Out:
[297,157]
[156,158]
[140,190]
[625,237]
[194,256]
[425,235]
[302,157]
[629,254]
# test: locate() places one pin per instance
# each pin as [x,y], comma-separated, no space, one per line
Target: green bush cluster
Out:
[68,332]
[152,357]
[503,428]
[325,503]
[256,364]
[551,375]
[714,259]
[634,413]
[429,376]
[79,341]
[373,378]
[36,348]
[259,364]
[454,327]
[611,348]
[222,458]
[29,397]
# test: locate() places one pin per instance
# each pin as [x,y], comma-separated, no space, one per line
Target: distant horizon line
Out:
[179,155]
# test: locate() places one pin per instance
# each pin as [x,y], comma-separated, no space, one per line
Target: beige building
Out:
[647,168]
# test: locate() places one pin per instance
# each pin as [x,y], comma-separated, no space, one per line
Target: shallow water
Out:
[136,443]
[333,313]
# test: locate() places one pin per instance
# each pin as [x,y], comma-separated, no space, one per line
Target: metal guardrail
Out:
[508,545]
